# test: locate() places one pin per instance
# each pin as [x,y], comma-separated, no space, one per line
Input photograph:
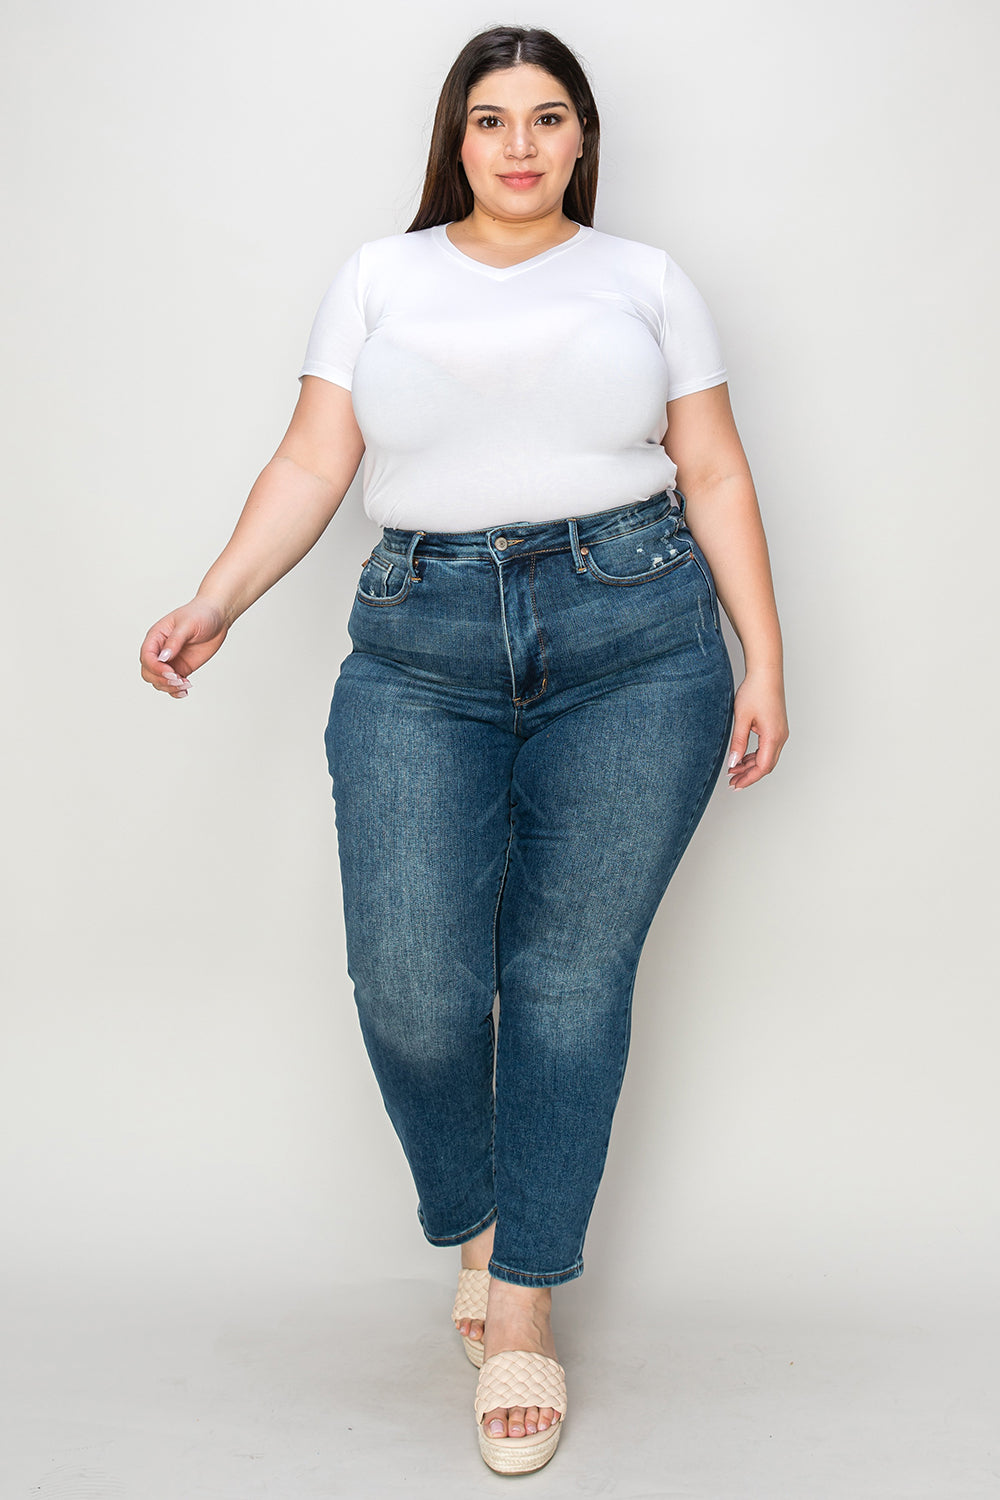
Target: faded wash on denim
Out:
[521,743]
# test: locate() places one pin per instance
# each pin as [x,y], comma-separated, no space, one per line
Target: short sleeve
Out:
[690,340]
[338,329]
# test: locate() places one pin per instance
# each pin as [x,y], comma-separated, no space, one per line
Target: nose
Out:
[519,143]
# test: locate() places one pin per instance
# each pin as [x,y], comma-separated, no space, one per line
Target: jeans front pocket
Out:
[638,556]
[385,579]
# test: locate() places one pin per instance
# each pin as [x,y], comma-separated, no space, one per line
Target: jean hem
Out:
[533,1278]
[463,1234]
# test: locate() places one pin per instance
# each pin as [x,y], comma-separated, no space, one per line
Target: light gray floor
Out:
[164,1396]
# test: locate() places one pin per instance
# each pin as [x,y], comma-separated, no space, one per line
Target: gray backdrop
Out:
[809,1116]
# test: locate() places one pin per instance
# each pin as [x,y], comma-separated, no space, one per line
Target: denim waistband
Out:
[517,539]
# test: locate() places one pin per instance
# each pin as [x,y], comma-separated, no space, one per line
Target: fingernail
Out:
[496,1427]
[732,760]
[164,655]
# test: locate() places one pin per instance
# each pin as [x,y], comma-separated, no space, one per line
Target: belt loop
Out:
[574,542]
[411,549]
[683,505]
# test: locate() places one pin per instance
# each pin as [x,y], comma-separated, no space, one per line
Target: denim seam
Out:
[540,1278]
[613,536]
[485,556]
[463,1234]
[506,640]
[496,975]
[709,779]
[538,631]
[496,906]
[711,593]
[535,552]
[392,599]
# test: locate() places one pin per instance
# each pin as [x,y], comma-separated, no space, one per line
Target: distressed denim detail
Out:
[383,581]
[519,753]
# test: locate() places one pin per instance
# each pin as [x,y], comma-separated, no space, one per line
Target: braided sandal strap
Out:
[516,1378]
[470,1300]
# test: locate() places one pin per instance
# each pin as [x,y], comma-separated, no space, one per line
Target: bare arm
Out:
[289,507]
[724,517]
[292,501]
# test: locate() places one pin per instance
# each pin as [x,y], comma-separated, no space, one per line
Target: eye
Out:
[487,122]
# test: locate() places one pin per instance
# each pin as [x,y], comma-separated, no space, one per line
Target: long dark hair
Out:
[447,195]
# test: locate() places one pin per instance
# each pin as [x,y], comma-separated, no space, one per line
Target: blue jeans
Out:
[521,743]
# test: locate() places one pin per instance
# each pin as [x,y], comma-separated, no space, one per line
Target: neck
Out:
[485,228]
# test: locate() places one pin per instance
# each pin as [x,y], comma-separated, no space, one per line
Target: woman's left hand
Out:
[760,710]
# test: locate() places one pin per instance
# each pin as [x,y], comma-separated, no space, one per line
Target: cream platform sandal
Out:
[516,1378]
[470,1302]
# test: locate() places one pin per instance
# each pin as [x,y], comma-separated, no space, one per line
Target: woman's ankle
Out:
[476,1252]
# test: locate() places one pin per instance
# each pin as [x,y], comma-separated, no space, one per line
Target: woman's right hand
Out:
[178,644]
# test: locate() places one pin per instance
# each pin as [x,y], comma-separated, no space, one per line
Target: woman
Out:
[539,700]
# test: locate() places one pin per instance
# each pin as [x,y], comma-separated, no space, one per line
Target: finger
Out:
[165,679]
[738,743]
[169,681]
[174,643]
[154,658]
[768,751]
[770,744]
[752,770]
[152,645]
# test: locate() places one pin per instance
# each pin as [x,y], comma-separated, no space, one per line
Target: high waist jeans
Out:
[521,743]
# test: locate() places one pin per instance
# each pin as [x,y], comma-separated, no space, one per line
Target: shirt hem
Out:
[326,372]
[689,387]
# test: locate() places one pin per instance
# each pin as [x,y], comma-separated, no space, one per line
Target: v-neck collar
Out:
[503,273]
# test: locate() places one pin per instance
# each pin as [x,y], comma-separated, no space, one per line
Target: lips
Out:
[519,176]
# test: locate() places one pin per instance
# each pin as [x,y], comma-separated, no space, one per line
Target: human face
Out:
[522,140]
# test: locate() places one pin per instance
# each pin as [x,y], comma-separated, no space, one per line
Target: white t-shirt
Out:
[528,393]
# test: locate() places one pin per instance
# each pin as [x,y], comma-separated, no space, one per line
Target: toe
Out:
[515,1421]
[495,1422]
[531,1419]
[475,1329]
[546,1417]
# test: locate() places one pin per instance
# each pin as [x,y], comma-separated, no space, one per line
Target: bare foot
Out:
[476,1257]
[519,1317]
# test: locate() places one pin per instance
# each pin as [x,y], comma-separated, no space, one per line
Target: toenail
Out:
[496,1427]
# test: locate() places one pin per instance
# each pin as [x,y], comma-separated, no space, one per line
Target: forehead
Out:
[520,82]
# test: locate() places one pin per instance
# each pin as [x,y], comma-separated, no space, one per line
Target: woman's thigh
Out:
[622,753]
[604,803]
[422,810]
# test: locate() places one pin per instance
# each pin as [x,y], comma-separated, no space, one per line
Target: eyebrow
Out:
[498,109]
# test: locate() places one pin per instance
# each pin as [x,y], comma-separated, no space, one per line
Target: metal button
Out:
[500,543]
